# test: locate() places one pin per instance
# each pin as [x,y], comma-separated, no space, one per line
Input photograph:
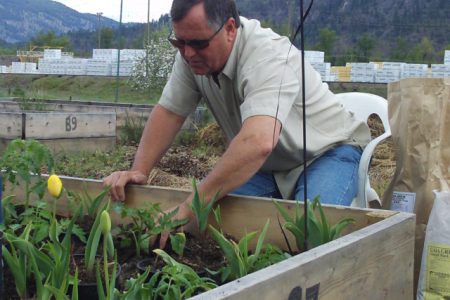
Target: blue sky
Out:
[132,11]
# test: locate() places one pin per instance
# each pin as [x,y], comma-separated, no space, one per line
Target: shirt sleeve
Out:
[181,94]
[270,87]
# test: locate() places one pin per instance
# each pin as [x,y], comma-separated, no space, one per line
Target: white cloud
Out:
[132,10]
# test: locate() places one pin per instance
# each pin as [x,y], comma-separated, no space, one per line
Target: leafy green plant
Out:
[94,239]
[145,224]
[105,226]
[132,130]
[240,261]
[200,208]
[49,264]
[178,242]
[178,281]
[23,159]
[90,206]
[319,231]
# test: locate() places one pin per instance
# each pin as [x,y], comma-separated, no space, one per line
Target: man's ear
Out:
[230,28]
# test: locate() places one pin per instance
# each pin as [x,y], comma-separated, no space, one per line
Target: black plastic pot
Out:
[88,290]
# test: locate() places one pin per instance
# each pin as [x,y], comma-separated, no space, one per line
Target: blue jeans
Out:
[333,176]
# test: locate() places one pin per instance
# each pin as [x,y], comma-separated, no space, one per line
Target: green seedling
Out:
[319,231]
[240,261]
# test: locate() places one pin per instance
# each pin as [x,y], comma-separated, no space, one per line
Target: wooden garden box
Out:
[372,260]
[67,131]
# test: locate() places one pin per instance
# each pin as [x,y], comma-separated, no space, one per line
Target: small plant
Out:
[132,130]
[97,230]
[23,159]
[240,261]
[178,242]
[201,209]
[105,226]
[178,281]
[90,206]
[319,232]
[145,224]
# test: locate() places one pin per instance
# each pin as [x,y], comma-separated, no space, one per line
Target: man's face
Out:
[194,26]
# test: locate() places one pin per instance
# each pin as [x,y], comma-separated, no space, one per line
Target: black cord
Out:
[305,190]
[300,29]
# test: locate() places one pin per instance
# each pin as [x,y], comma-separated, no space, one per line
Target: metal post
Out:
[147,42]
[118,52]
[99,14]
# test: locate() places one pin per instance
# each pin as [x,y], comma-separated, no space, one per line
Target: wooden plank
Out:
[372,263]
[76,145]
[10,125]
[69,125]
[240,214]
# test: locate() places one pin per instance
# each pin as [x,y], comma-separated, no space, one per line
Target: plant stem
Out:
[105,264]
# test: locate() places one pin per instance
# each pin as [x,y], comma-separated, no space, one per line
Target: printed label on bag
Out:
[437,276]
[403,201]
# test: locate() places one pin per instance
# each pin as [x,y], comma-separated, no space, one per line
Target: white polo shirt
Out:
[263,77]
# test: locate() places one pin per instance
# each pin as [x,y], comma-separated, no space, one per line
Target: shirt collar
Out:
[230,67]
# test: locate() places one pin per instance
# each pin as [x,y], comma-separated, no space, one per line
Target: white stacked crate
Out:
[315,56]
[391,71]
[440,70]
[415,71]
[363,72]
[104,54]
[52,66]
[324,69]
[98,67]
[76,66]
[132,54]
[447,57]
[125,67]
[4,69]
[17,67]
[52,53]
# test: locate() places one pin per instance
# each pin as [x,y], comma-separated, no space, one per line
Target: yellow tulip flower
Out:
[54,185]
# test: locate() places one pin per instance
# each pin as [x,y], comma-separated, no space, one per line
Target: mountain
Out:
[390,29]
[385,21]
[20,20]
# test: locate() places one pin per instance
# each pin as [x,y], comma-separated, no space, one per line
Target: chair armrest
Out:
[364,166]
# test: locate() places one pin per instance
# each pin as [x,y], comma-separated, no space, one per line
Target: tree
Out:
[401,50]
[423,52]
[106,38]
[50,39]
[152,72]
[327,38]
[365,46]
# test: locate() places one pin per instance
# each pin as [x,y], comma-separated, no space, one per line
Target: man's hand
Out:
[119,179]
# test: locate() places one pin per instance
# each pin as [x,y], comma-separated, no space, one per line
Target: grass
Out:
[85,88]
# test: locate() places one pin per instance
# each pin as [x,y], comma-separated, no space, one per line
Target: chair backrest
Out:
[363,105]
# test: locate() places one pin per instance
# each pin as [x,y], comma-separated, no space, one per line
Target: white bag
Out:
[434,278]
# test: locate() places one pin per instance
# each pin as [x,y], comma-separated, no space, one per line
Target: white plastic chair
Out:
[364,105]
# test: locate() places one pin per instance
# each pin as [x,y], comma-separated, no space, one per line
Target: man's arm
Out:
[159,132]
[245,155]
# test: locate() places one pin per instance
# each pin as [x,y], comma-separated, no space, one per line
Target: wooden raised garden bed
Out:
[372,260]
[71,132]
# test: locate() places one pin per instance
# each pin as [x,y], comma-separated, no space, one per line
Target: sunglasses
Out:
[196,44]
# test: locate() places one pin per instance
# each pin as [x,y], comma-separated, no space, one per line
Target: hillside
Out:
[385,21]
[392,28]
[20,20]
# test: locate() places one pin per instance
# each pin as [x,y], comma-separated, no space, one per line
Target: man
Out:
[250,78]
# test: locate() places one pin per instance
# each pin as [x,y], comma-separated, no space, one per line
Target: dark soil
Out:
[201,254]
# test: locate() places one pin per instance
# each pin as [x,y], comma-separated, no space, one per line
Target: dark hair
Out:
[217,11]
